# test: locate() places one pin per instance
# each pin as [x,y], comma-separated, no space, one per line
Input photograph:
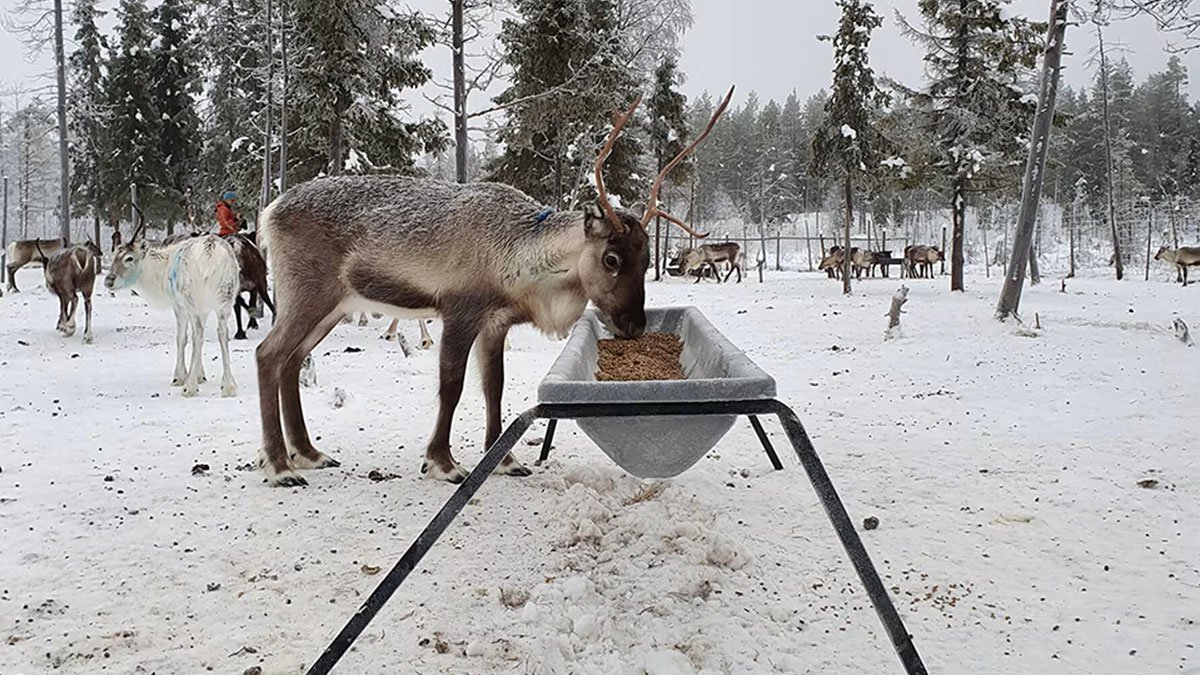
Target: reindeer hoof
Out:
[190,390]
[426,344]
[228,390]
[286,479]
[87,339]
[511,467]
[252,324]
[322,461]
[240,335]
[177,381]
[454,474]
[390,337]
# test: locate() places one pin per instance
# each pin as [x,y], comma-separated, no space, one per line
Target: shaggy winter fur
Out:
[21,253]
[482,257]
[195,277]
[70,273]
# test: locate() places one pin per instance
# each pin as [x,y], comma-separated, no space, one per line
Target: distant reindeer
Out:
[69,273]
[25,251]
[919,260]
[834,261]
[711,254]
[426,339]
[398,246]
[195,277]
[1182,257]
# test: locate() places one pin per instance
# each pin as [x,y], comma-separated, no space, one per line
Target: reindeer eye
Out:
[128,258]
[612,261]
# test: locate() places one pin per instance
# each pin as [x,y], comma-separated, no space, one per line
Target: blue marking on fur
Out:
[543,215]
[173,272]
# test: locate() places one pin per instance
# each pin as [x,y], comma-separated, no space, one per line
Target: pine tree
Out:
[848,144]
[352,60]
[135,123]
[668,133]
[177,83]
[976,60]
[568,76]
[89,117]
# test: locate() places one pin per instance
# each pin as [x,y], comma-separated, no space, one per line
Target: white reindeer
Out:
[195,277]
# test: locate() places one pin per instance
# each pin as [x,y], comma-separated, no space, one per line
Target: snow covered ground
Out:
[1004,471]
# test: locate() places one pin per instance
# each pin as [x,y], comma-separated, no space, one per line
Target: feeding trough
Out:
[656,428]
[658,446]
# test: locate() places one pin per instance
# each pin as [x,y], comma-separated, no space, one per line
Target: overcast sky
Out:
[768,46]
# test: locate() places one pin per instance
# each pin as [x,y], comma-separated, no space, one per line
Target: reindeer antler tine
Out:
[684,226]
[652,203]
[618,123]
[140,224]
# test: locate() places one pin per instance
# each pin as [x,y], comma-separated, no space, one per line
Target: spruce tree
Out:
[568,76]
[848,145]
[135,123]
[89,118]
[668,133]
[976,59]
[352,58]
[177,83]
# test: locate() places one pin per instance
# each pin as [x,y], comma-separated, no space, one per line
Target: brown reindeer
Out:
[711,254]
[1182,257]
[25,251]
[919,260]
[71,272]
[252,277]
[398,245]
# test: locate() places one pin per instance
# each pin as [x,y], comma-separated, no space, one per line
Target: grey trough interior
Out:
[664,446]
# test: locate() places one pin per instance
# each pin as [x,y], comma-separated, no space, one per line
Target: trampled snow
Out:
[1004,471]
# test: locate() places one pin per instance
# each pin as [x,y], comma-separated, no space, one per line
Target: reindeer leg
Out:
[12,278]
[238,305]
[390,333]
[251,309]
[287,340]
[195,376]
[457,337]
[69,324]
[181,336]
[490,353]
[300,449]
[426,340]
[228,385]
[87,325]
[363,320]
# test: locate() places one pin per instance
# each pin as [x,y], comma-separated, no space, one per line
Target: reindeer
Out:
[252,279]
[426,339]
[834,261]
[919,260]
[71,272]
[1182,257]
[195,277]
[25,251]
[710,255]
[397,245]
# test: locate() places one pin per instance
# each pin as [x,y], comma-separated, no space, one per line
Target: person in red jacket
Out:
[229,221]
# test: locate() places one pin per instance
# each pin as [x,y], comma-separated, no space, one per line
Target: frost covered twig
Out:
[898,300]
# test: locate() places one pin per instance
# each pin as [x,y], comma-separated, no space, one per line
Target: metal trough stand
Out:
[664,429]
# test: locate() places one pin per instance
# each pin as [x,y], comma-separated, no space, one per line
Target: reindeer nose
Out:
[631,325]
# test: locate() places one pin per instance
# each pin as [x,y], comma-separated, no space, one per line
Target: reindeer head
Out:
[97,254]
[127,260]
[1161,255]
[617,252]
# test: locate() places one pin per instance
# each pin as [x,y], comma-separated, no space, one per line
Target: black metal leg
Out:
[551,425]
[766,442]
[901,640]
[408,562]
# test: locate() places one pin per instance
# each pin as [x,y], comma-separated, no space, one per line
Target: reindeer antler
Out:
[618,124]
[652,204]
[140,224]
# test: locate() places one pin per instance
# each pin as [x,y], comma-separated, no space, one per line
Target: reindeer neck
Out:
[151,281]
[546,277]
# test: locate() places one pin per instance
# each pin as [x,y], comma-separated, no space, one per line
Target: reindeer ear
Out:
[594,222]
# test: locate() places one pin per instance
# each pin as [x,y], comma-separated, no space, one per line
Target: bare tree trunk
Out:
[944,245]
[1031,188]
[1112,209]
[808,243]
[460,98]
[64,183]
[1149,232]
[849,190]
[987,262]
[1071,234]
[4,236]
[283,95]
[1035,276]
[657,248]
[335,144]
[956,254]
[265,196]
